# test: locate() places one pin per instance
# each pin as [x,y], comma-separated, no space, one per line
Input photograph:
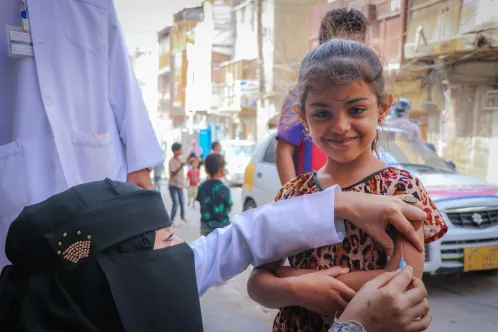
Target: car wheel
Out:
[249,204]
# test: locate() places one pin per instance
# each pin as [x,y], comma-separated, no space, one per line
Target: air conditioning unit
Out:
[490,100]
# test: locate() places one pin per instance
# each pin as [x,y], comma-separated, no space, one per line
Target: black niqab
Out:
[83,260]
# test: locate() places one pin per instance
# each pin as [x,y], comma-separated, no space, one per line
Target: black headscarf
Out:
[83,260]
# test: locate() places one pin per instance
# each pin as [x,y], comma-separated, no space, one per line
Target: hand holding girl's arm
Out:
[356,280]
[318,291]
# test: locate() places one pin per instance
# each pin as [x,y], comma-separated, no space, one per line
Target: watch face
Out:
[350,326]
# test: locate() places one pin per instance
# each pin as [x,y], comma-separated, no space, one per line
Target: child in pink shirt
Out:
[193,179]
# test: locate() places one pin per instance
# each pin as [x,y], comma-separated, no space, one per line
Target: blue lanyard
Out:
[24,16]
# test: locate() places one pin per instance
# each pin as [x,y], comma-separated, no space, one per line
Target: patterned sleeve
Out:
[434,225]
[284,193]
[296,187]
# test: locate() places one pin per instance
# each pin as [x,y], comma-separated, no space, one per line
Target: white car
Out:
[468,205]
[237,156]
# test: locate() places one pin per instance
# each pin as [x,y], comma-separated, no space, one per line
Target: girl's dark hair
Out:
[343,23]
[337,62]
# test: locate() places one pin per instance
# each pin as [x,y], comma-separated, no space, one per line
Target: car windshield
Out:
[397,148]
[239,150]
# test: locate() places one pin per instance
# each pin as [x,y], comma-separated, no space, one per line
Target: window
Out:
[400,149]
[269,156]
[490,101]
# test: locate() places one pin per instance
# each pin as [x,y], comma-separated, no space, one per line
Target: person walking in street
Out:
[71,110]
[176,182]
[296,153]
[400,111]
[214,196]
[82,262]
[195,151]
[193,180]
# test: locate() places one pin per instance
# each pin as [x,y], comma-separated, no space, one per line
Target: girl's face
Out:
[343,119]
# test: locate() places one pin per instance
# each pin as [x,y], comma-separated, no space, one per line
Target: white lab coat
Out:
[96,123]
[266,234]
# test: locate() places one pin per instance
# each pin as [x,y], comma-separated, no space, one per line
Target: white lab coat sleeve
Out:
[142,148]
[271,232]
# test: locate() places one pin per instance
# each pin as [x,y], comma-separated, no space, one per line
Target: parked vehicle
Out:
[468,205]
[237,156]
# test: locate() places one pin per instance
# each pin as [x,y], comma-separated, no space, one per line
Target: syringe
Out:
[402,263]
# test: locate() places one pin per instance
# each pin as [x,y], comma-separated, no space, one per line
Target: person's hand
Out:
[321,292]
[372,213]
[141,178]
[382,304]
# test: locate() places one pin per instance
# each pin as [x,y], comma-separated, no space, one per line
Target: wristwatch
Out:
[349,326]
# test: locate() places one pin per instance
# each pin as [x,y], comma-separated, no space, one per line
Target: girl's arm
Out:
[268,290]
[355,280]
[319,291]
[412,256]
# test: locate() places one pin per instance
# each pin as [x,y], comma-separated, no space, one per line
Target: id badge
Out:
[19,42]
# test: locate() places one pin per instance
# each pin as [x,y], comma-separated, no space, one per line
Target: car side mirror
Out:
[451,165]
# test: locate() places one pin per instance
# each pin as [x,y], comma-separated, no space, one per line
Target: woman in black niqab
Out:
[98,257]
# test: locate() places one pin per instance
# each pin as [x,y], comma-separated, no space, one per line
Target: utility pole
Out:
[262,115]
[261,60]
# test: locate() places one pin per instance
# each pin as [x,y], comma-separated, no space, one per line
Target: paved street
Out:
[458,303]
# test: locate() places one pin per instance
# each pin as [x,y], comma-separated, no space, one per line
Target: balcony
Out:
[240,95]
[440,29]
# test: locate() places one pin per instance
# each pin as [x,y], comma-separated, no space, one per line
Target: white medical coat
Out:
[271,232]
[85,120]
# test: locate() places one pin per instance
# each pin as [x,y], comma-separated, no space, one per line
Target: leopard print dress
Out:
[358,251]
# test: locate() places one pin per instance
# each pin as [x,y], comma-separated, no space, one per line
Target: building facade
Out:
[442,56]
[173,64]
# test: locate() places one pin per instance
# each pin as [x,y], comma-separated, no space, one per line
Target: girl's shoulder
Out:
[299,186]
[403,182]
[385,182]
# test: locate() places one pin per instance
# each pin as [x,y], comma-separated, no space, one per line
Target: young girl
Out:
[342,101]
[193,180]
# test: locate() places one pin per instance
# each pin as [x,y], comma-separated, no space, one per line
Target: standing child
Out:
[341,103]
[216,147]
[296,153]
[176,182]
[193,179]
[214,196]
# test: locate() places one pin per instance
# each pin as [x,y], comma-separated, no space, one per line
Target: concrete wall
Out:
[246,40]
[457,124]
[285,44]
